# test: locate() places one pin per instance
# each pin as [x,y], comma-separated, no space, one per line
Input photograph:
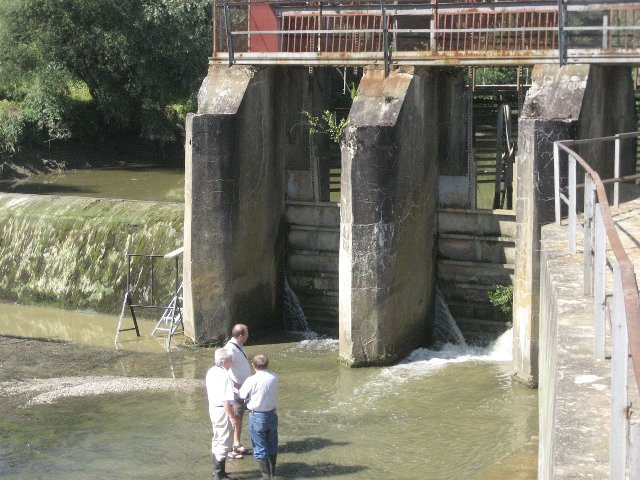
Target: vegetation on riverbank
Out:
[91,70]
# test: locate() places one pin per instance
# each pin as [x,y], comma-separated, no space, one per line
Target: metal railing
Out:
[599,229]
[357,32]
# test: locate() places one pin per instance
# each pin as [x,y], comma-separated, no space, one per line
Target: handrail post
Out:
[572,204]
[385,37]
[589,205]
[214,29]
[228,27]
[562,41]
[616,172]
[599,283]
[605,30]
[619,373]
[556,180]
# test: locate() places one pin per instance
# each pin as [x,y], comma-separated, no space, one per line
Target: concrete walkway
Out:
[574,386]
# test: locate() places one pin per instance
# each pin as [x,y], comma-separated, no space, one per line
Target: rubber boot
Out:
[219,472]
[272,460]
[265,468]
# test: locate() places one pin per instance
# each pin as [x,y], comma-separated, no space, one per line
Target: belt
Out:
[259,411]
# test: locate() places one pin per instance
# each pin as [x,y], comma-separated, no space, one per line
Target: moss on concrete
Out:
[69,251]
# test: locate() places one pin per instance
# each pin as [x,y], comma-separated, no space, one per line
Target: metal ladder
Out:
[171,317]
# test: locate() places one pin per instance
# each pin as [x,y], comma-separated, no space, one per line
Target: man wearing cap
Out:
[221,398]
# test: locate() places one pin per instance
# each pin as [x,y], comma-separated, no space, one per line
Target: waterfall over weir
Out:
[69,251]
[445,328]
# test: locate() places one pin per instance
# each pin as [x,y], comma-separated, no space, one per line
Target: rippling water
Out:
[450,414]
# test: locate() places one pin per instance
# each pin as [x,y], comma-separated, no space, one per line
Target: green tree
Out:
[139,62]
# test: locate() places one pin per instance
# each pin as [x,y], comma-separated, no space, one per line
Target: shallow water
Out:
[438,415]
[134,182]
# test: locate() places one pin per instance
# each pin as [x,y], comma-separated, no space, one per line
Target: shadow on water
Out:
[43,188]
[308,444]
[317,470]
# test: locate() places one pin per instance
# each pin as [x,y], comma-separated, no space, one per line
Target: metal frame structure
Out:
[325,32]
[599,229]
[174,307]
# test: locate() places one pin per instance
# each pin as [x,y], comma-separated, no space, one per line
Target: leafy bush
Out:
[126,63]
[502,297]
[11,127]
[328,124]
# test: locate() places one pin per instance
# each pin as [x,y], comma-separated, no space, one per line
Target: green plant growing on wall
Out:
[328,124]
[387,97]
[502,297]
[353,90]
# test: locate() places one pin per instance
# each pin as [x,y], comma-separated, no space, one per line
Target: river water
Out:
[452,414]
[135,182]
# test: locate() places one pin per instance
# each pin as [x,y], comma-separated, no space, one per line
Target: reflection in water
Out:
[438,415]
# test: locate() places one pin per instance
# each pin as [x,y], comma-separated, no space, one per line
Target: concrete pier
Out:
[247,151]
[388,217]
[234,197]
[574,101]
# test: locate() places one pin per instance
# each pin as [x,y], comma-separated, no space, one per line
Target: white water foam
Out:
[315,344]
[424,362]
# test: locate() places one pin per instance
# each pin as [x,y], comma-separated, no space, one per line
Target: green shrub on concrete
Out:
[502,297]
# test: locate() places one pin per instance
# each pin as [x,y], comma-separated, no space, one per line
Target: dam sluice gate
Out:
[365,229]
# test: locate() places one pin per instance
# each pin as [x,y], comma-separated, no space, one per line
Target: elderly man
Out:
[221,398]
[261,393]
[239,372]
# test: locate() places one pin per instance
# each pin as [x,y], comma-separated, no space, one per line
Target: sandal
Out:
[239,449]
[234,455]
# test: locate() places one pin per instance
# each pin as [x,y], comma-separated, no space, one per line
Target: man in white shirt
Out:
[220,395]
[239,372]
[261,393]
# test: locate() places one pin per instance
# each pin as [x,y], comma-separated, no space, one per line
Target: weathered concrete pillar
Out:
[574,101]
[388,217]
[234,203]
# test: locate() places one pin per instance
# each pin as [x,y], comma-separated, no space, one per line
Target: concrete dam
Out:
[258,188]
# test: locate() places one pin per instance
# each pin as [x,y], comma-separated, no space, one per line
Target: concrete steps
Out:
[304,237]
[313,242]
[476,252]
[312,260]
[494,249]
[482,273]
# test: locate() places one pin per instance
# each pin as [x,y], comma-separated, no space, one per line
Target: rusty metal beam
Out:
[429,57]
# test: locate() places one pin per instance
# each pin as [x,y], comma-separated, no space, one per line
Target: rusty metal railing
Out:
[598,228]
[496,32]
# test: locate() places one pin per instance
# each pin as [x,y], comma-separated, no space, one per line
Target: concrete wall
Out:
[236,149]
[562,103]
[388,217]
[608,108]
[574,386]
[453,95]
